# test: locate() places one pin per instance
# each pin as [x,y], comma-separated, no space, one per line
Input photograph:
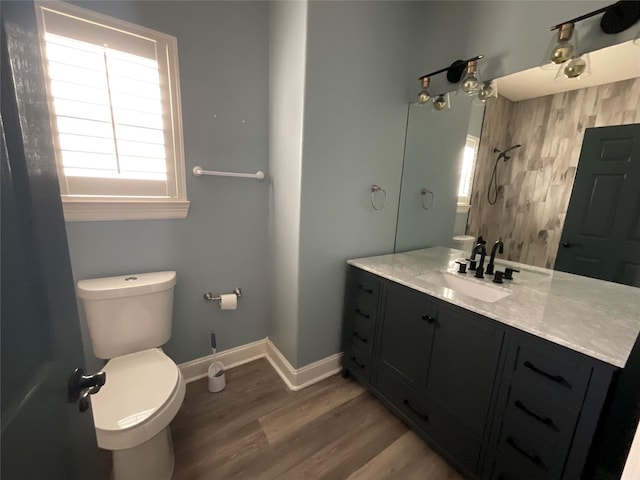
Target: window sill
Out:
[100,210]
[463,208]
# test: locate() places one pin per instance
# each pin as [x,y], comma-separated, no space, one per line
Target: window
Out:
[468,166]
[115,114]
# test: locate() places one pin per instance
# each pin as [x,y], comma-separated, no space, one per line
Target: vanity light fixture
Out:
[424,95]
[470,84]
[564,52]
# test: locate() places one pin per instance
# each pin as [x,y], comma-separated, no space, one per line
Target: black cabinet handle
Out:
[365,315]
[359,337]
[534,458]
[361,365]
[428,318]
[556,378]
[419,414]
[366,290]
[546,420]
[569,244]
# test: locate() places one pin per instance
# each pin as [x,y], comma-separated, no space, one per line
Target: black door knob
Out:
[81,386]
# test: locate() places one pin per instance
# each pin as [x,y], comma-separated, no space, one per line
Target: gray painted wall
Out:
[223,50]
[358,58]
[287,62]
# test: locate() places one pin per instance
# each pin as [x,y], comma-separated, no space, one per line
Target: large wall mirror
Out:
[523,195]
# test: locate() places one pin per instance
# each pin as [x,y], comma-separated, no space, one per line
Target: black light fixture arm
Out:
[617,17]
[582,17]
[453,65]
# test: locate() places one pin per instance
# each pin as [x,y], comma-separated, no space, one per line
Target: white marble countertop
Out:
[597,318]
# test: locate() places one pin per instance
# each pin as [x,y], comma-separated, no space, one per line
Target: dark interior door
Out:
[601,235]
[44,436]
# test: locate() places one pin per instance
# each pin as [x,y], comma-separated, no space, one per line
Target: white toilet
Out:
[129,318]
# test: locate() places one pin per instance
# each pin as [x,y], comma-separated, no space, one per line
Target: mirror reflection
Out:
[533,137]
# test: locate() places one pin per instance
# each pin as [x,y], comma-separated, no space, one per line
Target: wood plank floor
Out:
[258,429]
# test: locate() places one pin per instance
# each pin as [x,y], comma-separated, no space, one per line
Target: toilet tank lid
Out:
[125,285]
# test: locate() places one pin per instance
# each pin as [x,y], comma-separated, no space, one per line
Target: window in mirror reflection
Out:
[466,173]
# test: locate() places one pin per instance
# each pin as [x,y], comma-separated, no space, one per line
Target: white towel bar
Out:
[199,171]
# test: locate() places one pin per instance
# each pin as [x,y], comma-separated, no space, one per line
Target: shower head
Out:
[503,154]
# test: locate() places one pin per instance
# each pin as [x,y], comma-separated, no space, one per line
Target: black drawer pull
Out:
[366,290]
[534,458]
[359,337]
[546,420]
[428,318]
[365,315]
[361,365]
[410,407]
[556,378]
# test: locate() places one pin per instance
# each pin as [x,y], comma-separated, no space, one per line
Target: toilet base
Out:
[151,460]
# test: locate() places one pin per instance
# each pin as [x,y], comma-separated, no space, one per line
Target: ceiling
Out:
[607,65]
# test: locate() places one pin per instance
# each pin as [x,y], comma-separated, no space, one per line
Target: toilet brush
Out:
[219,369]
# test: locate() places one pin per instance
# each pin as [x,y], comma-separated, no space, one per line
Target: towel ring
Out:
[374,190]
[426,193]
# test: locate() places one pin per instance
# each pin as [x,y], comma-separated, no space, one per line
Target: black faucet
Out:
[472,259]
[479,248]
[480,240]
[499,246]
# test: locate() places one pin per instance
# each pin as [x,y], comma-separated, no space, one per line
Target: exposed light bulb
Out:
[424,96]
[564,49]
[575,67]
[440,103]
[471,83]
[485,92]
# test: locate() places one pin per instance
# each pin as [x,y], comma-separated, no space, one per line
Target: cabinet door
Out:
[406,336]
[464,360]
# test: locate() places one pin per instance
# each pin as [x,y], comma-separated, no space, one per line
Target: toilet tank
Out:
[128,313]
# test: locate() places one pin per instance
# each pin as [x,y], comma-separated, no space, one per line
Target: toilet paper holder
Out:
[209,296]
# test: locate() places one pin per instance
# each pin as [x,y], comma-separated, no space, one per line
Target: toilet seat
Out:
[143,392]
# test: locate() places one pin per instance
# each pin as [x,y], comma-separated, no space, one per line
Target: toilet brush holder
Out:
[217,380]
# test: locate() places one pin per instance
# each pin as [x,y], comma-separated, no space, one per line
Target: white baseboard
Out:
[295,379]
[234,357]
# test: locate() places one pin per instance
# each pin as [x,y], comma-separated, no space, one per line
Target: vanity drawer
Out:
[367,288]
[358,362]
[445,431]
[559,374]
[533,411]
[363,327]
[529,448]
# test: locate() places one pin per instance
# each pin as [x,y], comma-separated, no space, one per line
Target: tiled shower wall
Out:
[534,186]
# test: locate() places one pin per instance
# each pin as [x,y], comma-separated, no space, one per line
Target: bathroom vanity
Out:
[505,381]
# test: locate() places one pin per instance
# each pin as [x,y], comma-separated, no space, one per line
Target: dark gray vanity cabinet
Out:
[498,403]
[547,411]
[360,321]
[406,334]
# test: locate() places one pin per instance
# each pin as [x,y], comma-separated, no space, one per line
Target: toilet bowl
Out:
[129,318]
[463,242]
[131,413]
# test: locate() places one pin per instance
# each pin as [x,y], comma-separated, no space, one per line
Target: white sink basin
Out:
[471,287]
